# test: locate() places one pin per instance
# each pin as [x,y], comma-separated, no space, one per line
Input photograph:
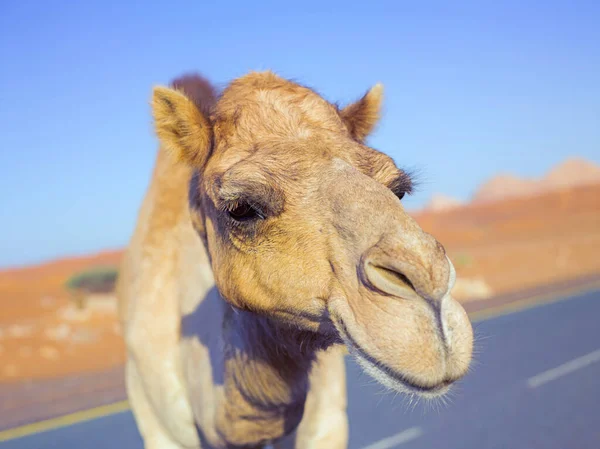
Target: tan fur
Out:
[235,326]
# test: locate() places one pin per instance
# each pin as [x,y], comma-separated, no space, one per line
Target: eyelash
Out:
[243,211]
[401,187]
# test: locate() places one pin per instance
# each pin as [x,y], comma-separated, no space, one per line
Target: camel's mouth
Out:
[387,376]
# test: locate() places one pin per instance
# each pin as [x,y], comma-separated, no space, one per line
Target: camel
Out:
[271,243]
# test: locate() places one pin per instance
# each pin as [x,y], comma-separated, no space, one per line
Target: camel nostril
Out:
[389,280]
[395,276]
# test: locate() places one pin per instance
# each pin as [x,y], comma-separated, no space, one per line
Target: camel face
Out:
[303,223]
[391,303]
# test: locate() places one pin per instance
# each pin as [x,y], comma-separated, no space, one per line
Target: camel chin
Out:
[396,381]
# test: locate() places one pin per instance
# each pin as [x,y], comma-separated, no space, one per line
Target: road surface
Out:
[535,385]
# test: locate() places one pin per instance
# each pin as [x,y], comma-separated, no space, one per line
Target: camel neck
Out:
[266,378]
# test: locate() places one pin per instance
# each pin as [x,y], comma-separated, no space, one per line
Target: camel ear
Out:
[362,116]
[182,129]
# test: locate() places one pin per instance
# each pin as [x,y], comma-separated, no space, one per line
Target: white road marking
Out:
[564,369]
[395,440]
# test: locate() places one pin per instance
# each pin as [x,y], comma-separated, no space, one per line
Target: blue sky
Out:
[472,88]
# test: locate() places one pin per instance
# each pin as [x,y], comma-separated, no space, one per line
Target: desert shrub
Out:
[95,280]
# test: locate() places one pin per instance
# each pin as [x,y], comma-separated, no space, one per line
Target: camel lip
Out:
[407,383]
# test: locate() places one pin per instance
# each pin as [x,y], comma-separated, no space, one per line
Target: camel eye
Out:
[244,212]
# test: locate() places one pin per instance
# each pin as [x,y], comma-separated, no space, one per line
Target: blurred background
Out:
[494,105]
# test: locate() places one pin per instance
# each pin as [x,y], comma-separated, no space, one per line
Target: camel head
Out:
[304,224]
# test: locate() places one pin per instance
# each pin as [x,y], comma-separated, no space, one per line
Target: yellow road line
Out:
[533,301]
[64,421]
[111,409]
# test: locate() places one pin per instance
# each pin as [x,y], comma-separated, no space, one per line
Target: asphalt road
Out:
[535,385]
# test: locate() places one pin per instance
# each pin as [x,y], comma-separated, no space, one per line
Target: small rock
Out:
[58,333]
[20,330]
[466,289]
[72,313]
